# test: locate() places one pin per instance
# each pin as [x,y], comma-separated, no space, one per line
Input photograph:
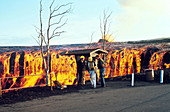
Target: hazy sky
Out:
[131,20]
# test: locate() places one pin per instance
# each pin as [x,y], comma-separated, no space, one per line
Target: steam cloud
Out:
[143,19]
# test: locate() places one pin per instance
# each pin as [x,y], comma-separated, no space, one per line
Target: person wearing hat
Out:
[91,66]
[96,71]
[101,67]
[81,69]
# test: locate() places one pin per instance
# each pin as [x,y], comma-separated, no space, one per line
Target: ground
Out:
[118,96]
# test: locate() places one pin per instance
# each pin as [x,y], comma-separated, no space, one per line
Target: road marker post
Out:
[162,76]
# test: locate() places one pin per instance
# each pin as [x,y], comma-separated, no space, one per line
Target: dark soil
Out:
[42,92]
[33,93]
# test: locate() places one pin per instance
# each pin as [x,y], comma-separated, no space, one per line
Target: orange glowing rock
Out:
[25,68]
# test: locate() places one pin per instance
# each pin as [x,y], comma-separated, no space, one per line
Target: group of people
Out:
[92,65]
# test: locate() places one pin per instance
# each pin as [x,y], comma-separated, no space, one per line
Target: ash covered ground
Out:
[29,94]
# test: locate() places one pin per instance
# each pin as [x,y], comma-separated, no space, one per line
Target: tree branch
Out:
[54,31]
[57,34]
[91,40]
[59,14]
[59,21]
[38,42]
[61,6]
[101,28]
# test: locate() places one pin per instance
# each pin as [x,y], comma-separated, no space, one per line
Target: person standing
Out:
[101,67]
[96,71]
[81,69]
[91,66]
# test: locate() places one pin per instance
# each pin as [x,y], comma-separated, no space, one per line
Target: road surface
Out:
[118,96]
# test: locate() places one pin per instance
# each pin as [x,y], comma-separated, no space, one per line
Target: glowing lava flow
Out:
[25,68]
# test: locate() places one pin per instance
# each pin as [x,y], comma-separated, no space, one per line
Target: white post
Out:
[162,76]
[94,80]
[132,80]
[152,73]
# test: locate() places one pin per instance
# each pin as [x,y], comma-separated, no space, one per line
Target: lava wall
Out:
[25,68]
[160,60]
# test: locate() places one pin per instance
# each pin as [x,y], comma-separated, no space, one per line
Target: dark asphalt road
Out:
[118,96]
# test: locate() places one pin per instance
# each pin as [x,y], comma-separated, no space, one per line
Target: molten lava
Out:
[25,68]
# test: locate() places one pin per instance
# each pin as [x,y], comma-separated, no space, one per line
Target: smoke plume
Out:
[143,19]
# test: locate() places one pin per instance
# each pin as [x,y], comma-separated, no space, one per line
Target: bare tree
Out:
[55,23]
[105,26]
[91,40]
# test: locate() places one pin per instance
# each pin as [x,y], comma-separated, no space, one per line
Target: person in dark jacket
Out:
[81,69]
[101,67]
